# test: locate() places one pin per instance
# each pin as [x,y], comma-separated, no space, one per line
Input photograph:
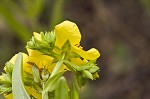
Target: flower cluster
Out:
[50,56]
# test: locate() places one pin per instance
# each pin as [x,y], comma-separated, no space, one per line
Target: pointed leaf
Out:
[18,88]
[87,74]
[74,92]
[36,74]
[61,91]
[51,84]
[94,69]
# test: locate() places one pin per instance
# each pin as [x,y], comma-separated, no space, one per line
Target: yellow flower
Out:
[69,31]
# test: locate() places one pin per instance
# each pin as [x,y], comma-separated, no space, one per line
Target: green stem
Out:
[54,72]
[58,65]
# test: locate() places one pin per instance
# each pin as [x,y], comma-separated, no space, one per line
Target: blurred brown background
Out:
[119,29]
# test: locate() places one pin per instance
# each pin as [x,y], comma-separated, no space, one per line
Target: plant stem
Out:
[54,72]
[58,65]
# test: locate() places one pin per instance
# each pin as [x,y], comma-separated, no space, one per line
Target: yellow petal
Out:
[67,31]
[91,54]
[33,92]
[33,52]
[42,61]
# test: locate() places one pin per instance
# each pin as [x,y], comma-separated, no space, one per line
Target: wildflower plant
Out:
[41,74]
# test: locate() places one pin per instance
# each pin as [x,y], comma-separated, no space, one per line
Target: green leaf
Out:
[86,66]
[45,74]
[9,68]
[67,46]
[51,84]
[18,28]
[41,44]
[81,81]
[70,65]
[57,67]
[74,92]
[5,79]
[87,74]
[37,86]
[56,13]
[94,69]
[62,89]
[28,81]
[5,90]
[34,8]
[36,74]
[18,88]
[49,37]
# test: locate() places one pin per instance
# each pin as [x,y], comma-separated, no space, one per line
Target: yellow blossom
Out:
[69,31]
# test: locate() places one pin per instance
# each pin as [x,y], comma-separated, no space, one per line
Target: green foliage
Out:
[30,12]
[36,74]
[6,79]
[146,4]
[4,89]
[45,74]
[9,68]
[62,89]
[50,85]
[49,37]
[44,43]
[87,74]
[21,31]
[17,82]
[74,94]
[57,13]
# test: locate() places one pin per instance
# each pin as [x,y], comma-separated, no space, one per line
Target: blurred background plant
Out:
[19,18]
[118,28]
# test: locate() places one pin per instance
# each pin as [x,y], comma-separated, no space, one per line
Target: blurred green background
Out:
[119,29]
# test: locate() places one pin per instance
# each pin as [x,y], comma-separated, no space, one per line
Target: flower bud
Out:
[9,68]
[45,74]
